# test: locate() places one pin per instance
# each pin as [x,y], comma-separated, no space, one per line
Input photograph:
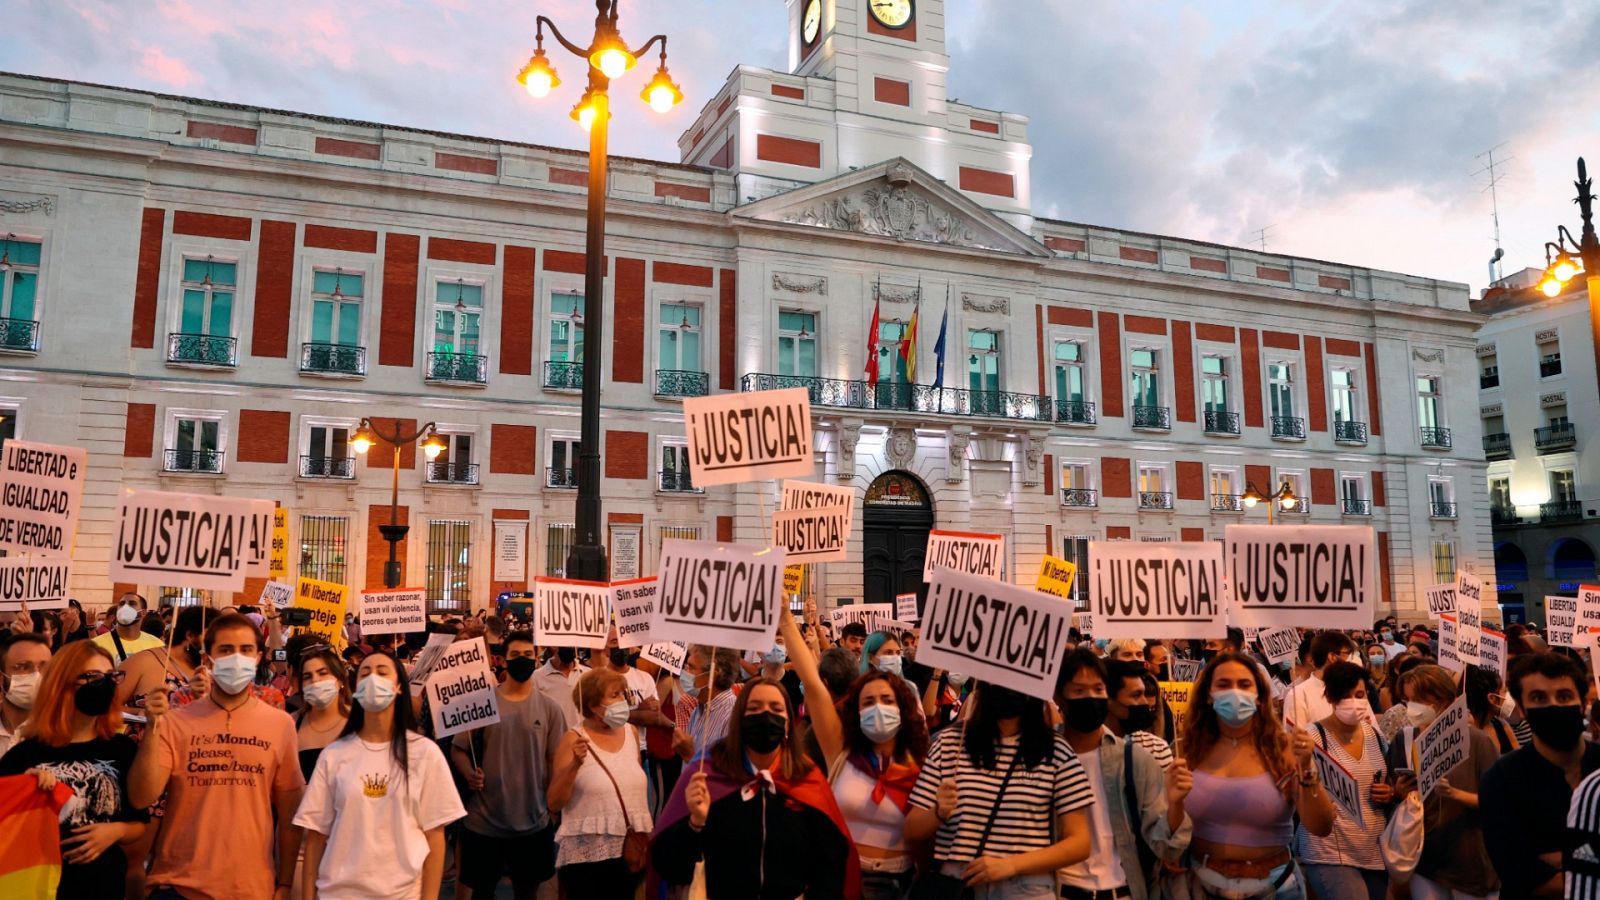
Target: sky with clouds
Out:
[1351,130]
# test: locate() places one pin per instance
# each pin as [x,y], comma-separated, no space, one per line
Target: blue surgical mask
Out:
[957,680]
[880,723]
[689,688]
[1234,707]
[891,664]
[777,656]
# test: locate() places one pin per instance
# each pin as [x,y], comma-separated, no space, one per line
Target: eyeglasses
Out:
[115,676]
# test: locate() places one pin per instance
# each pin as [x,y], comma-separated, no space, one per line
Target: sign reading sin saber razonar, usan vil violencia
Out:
[734,438]
[724,595]
[1314,576]
[994,631]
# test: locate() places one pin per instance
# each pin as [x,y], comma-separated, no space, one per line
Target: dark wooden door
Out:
[897,518]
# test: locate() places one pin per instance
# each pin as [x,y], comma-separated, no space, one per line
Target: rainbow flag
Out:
[30,838]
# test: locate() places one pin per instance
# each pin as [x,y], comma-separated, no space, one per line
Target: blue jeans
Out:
[1346,881]
[885,885]
[1023,887]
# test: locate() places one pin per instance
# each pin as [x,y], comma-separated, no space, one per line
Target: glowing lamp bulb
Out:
[1563,270]
[661,99]
[614,63]
[539,84]
[361,444]
[1290,502]
[586,117]
[1550,287]
[1250,501]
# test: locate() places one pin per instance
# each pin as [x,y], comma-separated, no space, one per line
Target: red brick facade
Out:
[263,436]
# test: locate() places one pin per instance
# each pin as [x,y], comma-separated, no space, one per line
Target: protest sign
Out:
[278,563]
[812,535]
[724,595]
[1177,694]
[1588,608]
[998,632]
[749,436]
[41,490]
[1084,622]
[1314,576]
[1492,651]
[1056,577]
[1340,784]
[1469,617]
[867,614]
[669,656]
[569,613]
[328,603]
[632,602]
[1185,670]
[258,563]
[811,495]
[1442,746]
[793,579]
[905,607]
[1280,645]
[1157,590]
[964,551]
[1441,599]
[426,657]
[894,626]
[182,540]
[1561,620]
[1449,647]
[40,582]
[277,595]
[461,689]
[400,611]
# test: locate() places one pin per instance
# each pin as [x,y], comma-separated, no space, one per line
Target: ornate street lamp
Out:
[1283,495]
[432,445]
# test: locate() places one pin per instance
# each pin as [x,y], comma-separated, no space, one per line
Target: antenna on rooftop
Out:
[1494,171]
[1261,236]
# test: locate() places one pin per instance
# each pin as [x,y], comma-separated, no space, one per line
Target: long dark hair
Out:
[728,754]
[981,734]
[911,742]
[405,721]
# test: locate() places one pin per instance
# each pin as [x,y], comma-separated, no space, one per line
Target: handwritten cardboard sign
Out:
[724,595]
[749,436]
[277,594]
[998,632]
[1157,590]
[400,611]
[1280,645]
[964,551]
[1441,599]
[568,613]
[1492,651]
[1449,646]
[41,491]
[1314,576]
[905,607]
[278,562]
[461,689]
[328,603]
[1561,620]
[1469,617]
[1340,784]
[669,655]
[1186,670]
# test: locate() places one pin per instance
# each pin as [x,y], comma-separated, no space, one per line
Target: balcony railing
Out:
[1350,432]
[1488,380]
[443,471]
[1353,507]
[1081,498]
[1549,367]
[1155,418]
[1551,438]
[917,398]
[561,478]
[333,359]
[1226,503]
[1497,446]
[673,383]
[1155,500]
[563,376]
[1560,511]
[1503,515]
[203,350]
[19,335]
[1220,421]
[327,467]
[678,482]
[1442,509]
[457,368]
[1289,427]
[1075,412]
[1436,438]
[203,462]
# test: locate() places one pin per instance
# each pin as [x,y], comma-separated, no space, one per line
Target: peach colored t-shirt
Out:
[217,837]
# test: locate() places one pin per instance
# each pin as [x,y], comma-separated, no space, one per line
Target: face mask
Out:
[1558,726]
[1420,715]
[1003,702]
[1234,707]
[233,673]
[956,679]
[566,655]
[23,689]
[375,693]
[692,690]
[1507,706]
[321,693]
[1386,635]
[127,615]
[1350,710]
[1140,718]
[777,656]
[619,657]
[94,698]
[880,723]
[1164,672]
[1208,655]
[1378,660]
[616,714]
[195,656]
[763,732]
[891,664]
[520,669]
[1085,714]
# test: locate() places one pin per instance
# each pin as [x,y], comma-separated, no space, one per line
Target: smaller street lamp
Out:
[432,445]
[1284,495]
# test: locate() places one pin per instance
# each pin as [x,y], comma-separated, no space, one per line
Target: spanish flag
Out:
[30,839]
[908,348]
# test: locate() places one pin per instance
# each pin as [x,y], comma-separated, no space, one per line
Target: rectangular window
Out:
[1280,389]
[19,279]
[1441,490]
[336,307]
[1344,395]
[558,537]
[323,548]
[1069,377]
[449,573]
[1430,411]
[1075,549]
[1144,367]
[457,317]
[1500,493]
[1563,486]
[1075,476]
[1494,425]
[1488,371]
[1549,355]
[1444,562]
[1352,487]
[327,452]
[1557,417]
[676,533]
[797,344]
[454,465]
[1152,479]
[1224,481]
[890,370]
[983,361]
[1296,483]
[1214,383]
[563,463]
[679,333]
[196,445]
[675,475]
[208,292]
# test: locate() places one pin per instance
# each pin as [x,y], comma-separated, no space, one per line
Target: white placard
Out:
[632,603]
[749,436]
[811,495]
[400,611]
[905,607]
[422,665]
[669,656]
[41,490]
[1000,633]
[258,564]
[41,582]
[1444,745]
[1588,609]
[511,551]
[1280,645]
[277,594]
[1492,651]
[569,613]
[625,552]
[1469,617]
[1314,576]
[724,595]
[964,551]
[1561,620]
[1157,590]
[1340,784]
[894,626]
[1449,644]
[867,614]
[1441,599]
[1084,622]
[182,540]
[1185,670]
[812,535]
[461,689]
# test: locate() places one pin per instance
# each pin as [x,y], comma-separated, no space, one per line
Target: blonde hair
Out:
[593,687]
[1429,682]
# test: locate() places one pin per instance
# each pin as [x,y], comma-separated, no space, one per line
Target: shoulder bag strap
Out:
[122,654]
[614,786]
[1324,732]
[994,811]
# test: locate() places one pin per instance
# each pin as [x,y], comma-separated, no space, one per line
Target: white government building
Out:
[210,297]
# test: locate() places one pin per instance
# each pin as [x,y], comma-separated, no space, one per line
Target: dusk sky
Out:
[1352,129]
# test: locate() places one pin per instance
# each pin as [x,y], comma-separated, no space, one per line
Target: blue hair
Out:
[875,642]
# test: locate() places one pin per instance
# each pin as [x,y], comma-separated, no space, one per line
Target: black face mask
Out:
[1559,726]
[194,654]
[1085,714]
[1208,655]
[619,657]
[566,655]
[1003,703]
[1164,672]
[94,698]
[1139,718]
[520,669]
[763,732]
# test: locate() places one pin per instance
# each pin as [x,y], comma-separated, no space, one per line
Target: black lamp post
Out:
[1566,258]
[1284,494]
[608,57]
[369,434]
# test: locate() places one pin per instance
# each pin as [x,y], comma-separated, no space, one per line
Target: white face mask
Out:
[1420,715]
[321,693]
[233,673]
[375,693]
[127,615]
[1350,710]
[616,714]
[23,689]
[1507,706]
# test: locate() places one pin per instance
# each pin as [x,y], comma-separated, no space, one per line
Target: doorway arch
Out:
[897,515]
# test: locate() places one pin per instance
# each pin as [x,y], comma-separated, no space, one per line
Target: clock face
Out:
[813,21]
[892,13]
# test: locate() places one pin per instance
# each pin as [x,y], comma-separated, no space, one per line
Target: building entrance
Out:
[897,515]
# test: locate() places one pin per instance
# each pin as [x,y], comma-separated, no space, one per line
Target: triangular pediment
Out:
[895,200]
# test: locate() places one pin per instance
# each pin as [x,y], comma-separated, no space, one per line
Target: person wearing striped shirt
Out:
[1347,862]
[1580,861]
[1005,797]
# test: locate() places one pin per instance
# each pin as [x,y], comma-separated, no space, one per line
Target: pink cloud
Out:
[158,65]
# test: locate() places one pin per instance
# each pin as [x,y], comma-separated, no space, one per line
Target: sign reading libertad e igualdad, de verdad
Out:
[41,489]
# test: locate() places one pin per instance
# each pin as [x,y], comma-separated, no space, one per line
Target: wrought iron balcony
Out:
[561,478]
[202,462]
[1561,511]
[444,471]
[1220,421]
[672,383]
[1226,503]
[333,359]
[327,467]
[1436,438]
[1155,418]
[1350,432]
[914,398]
[1442,509]
[1488,380]
[1289,427]
[674,481]
[1497,446]
[203,350]
[1075,412]
[1503,515]
[1553,438]
[1155,499]
[1353,507]
[19,335]
[564,376]
[1081,498]
[1549,366]
[457,368]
